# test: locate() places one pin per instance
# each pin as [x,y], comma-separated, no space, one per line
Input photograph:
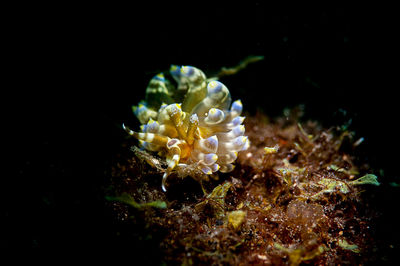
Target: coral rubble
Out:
[296,196]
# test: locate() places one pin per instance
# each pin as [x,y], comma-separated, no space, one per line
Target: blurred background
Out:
[76,71]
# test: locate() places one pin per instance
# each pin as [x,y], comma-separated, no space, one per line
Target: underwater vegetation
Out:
[295,195]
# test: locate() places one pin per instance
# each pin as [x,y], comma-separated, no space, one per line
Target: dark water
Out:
[79,69]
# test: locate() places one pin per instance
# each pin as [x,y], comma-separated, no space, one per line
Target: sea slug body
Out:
[191,122]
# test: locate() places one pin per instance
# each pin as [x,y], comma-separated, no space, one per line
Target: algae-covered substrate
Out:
[297,195]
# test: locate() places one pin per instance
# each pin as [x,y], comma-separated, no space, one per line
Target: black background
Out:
[76,70]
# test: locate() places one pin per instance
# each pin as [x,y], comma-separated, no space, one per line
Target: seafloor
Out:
[303,200]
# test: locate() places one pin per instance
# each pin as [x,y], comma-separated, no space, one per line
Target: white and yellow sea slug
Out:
[192,123]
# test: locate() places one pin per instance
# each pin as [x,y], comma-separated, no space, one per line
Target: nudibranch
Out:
[191,122]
